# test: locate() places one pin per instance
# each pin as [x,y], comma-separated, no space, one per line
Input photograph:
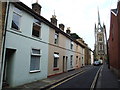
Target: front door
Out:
[7,67]
[63,63]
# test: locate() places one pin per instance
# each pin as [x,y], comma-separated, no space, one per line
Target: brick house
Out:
[114,40]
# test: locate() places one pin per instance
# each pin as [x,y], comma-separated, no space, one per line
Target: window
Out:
[35,60]
[100,38]
[100,46]
[36,28]
[16,19]
[71,45]
[56,57]
[71,61]
[56,37]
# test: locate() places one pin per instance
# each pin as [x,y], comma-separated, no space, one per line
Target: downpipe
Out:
[3,45]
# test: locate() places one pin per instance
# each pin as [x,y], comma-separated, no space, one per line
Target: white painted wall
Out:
[23,42]
[69,53]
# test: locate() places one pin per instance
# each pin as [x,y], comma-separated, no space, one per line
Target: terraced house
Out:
[64,51]
[36,48]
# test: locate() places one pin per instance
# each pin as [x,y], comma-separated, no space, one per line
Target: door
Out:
[63,63]
[7,67]
[66,64]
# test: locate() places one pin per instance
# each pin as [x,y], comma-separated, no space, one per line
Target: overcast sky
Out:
[79,15]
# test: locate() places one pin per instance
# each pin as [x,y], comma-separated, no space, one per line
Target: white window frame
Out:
[38,55]
[19,14]
[57,56]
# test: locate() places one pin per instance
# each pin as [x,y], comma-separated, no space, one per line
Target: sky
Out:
[79,15]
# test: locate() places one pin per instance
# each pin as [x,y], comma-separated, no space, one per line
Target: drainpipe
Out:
[3,45]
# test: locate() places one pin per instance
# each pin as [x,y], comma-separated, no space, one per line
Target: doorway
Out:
[7,66]
[64,64]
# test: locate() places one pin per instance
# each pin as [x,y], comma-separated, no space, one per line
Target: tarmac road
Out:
[81,80]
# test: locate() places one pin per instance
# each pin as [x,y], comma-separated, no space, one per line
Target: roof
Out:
[114,11]
[22,6]
[74,36]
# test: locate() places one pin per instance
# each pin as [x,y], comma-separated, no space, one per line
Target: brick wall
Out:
[2,17]
[113,42]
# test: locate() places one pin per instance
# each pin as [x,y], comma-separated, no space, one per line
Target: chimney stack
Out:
[54,20]
[36,8]
[61,26]
[68,30]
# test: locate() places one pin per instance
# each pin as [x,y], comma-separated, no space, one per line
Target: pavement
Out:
[107,79]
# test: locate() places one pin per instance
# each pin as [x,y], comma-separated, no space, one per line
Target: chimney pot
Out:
[68,30]
[61,26]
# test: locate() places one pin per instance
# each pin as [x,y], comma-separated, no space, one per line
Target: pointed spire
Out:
[36,1]
[54,12]
[104,27]
[98,17]
[95,26]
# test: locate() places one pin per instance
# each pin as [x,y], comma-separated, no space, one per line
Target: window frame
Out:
[38,24]
[56,40]
[57,58]
[71,45]
[100,46]
[36,55]
[71,61]
[100,39]
[19,14]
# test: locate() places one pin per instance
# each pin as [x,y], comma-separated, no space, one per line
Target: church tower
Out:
[100,49]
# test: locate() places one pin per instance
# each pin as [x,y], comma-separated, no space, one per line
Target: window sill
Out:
[34,71]
[55,69]
[16,30]
[36,37]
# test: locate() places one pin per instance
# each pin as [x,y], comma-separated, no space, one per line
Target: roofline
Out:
[41,18]
[113,13]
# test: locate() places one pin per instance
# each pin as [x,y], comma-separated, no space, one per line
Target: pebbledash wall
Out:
[22,43]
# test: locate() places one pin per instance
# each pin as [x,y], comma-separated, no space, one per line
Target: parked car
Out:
[96,63]
[100,62]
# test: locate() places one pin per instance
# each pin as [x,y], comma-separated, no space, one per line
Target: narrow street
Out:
[82,80]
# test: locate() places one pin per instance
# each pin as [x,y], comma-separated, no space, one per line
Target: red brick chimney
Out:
[36,7]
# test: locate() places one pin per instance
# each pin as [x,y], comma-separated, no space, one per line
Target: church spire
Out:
[36,1]
[98,17]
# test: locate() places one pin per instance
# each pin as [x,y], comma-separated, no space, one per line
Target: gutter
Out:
[3,44]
